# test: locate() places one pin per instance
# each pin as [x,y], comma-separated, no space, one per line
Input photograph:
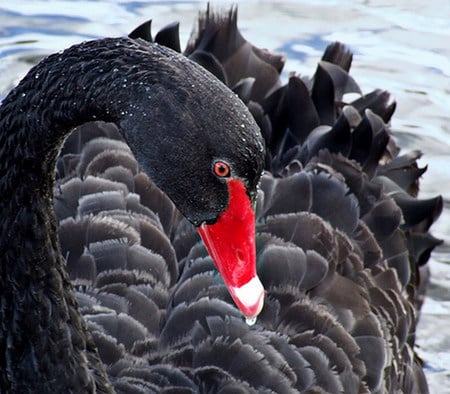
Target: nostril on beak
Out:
[241,260]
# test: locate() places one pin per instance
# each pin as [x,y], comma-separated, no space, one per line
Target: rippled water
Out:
[404,48]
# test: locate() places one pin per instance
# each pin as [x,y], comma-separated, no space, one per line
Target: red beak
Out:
[231,244]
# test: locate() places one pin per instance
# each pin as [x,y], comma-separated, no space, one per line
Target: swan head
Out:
[199,143]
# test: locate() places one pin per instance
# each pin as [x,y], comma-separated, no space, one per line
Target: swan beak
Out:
[231,244]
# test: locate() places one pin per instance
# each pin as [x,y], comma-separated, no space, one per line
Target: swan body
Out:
[136,304]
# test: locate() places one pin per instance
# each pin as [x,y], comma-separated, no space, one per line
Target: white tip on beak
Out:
[249,297]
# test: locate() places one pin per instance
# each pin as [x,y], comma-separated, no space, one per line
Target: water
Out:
[403,48]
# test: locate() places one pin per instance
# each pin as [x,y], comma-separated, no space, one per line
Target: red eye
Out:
[221,169]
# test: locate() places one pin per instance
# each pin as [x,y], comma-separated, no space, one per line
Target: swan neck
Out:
[39,311]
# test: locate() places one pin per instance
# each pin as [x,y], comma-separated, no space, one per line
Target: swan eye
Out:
[221,169]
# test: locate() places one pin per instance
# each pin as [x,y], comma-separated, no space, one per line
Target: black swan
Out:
[136,305]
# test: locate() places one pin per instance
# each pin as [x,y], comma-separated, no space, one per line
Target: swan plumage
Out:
[340,237]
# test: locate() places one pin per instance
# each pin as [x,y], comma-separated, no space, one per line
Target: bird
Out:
[111,280]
